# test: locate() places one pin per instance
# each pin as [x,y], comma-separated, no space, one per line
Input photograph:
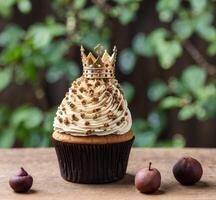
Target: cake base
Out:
[92,163]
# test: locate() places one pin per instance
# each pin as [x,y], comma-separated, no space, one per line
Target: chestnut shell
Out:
[148,180]
[21,182]
[187,171]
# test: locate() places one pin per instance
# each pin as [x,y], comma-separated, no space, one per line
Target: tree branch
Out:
[197,56]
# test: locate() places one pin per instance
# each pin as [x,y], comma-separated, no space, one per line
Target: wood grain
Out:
[48,185]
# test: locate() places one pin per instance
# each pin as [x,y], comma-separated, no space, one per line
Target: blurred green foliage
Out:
[27,126]
[44,46]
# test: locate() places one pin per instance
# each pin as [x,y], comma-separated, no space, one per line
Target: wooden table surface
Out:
[48,184]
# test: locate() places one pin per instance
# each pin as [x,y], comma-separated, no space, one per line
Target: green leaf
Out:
[63,68]
[35,119]
[178,141]
[30,117]
[187,112]
[129,91]
[10,35]
[127,61]
[34,139]
[207,33]
[166,50]
[168,53]
[139,125]
[158,35]
[45,142]
[194,78]
[166,9]
[4,112]
[157,121]
[206,18]
[90,13]
[48,120]
[145,139]
[198,7]
[78,4]
[6,7]
[90,39]
[206,92]
[30,71]
[53,52]
[138,43]
[11,54]
[71,70]
[206,104]
[122,1]
[157,90]
[37,60]
[20,76]
[5,77]
[170,102]
[212,49]
[183,28]
[54,73]
[177,87]
[201,113]
[166,16]
[204,27]
[7,138]
[56,29]
[164,143]
[24,6]
[168,5]
[142,45]
[40,35]
[126,15]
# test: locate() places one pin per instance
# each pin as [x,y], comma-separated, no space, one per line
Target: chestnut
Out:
[148,180]
[21,182]
[187,171]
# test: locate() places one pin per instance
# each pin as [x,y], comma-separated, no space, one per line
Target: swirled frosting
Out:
[93,107]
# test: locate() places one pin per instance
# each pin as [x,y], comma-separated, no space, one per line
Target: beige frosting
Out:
[93,107]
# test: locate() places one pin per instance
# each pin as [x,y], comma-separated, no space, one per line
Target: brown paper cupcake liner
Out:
[92,163]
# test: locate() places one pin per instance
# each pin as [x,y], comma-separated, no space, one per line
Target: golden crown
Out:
[102,66]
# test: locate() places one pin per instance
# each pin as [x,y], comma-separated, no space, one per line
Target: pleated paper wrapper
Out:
[92,163]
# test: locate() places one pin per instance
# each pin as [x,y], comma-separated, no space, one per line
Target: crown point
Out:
[99,49]
[114,49]
[81,48]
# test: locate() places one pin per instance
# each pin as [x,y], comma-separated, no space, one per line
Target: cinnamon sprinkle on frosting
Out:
[106,125]
[84,102]
[81,89]
[75,118]
[66,121]
[95,99]
[95,116]
[87,123]
[88,132]
[82,115]
[60,119]
[74,91]
[71,105]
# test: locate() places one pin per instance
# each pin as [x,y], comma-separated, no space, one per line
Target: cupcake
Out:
[92,128]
